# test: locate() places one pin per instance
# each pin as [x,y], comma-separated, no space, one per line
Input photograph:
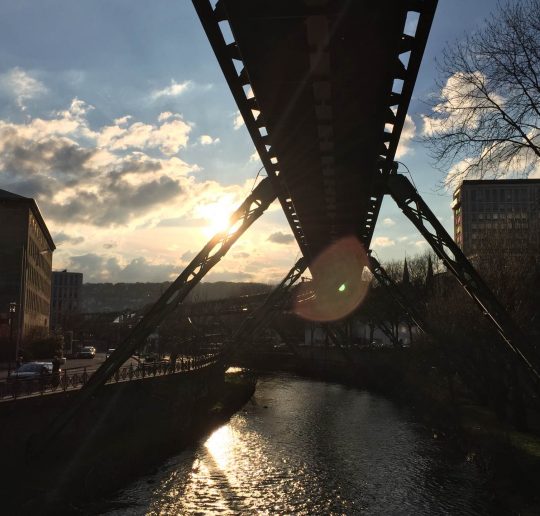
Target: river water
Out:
[308,447]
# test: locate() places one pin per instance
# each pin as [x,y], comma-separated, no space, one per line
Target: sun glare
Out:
[217,214]
[220,444]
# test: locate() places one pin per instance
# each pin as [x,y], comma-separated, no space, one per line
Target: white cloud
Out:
[420,243]
[238,120]
[407,134]
[117,191]
[169,137]
[281,238]
[205,139]
[459,106]
[165,116]
[21,85]
[388,222]
[383,241]
[254,157]
[174,90]
[125,119]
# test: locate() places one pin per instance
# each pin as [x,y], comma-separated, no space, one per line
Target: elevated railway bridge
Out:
[323,87]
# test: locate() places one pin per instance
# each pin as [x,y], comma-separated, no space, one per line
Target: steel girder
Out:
[248,212]
[227,54]
[398,105]
[406,64]
[418,212]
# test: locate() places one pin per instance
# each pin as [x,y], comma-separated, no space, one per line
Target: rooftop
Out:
[6,196]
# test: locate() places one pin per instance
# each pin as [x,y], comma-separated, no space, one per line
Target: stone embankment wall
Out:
[126,428]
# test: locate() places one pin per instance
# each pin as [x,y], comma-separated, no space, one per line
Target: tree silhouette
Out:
[485,121]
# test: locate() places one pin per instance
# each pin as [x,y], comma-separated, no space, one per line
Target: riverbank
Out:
[123,434]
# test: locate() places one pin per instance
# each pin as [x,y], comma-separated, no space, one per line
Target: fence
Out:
[14,388]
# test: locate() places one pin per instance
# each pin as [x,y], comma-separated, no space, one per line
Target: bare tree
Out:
[485,122]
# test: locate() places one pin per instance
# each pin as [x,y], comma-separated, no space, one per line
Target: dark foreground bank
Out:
[126,430]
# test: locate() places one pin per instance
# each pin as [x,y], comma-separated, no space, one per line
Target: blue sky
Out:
[114,115]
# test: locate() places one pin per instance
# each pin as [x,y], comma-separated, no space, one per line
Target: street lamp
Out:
[12,310]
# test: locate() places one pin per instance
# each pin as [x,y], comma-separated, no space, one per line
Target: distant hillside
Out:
[109,297]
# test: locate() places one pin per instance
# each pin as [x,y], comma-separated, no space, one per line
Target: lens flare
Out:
[339,284]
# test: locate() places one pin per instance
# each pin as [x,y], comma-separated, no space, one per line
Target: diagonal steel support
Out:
[248,212]
[417,211]
[262,315]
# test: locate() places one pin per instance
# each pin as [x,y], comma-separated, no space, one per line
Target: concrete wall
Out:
[124,428]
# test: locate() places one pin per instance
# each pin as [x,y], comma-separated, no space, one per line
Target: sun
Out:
[217,215]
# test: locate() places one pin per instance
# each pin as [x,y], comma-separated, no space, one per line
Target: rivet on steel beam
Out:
[219,11]
[395,99]
[234,51]
[253,104]
[406,44]
[244,78]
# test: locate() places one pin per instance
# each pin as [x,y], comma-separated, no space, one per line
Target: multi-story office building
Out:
[66,299]
[25,265]
[503,215]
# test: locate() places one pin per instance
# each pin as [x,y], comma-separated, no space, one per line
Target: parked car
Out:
[87,352]
[32,370]
[109,352]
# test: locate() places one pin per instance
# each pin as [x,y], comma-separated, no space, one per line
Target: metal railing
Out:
[14,388]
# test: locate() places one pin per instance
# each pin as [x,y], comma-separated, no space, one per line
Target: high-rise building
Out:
[66,299]
[25,265]
[498,215]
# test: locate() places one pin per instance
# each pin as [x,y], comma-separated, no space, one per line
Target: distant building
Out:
[498,215]
[26,249]
[66,299]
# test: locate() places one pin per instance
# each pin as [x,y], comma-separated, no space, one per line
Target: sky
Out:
[115,117]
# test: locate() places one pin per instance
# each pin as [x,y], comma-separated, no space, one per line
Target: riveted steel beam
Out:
[248,106]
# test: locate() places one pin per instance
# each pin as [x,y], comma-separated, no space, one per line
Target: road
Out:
[71,364]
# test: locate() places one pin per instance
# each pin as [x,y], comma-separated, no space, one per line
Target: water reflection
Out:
[307,447]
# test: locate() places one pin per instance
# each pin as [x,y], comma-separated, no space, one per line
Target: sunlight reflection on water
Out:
[307,447]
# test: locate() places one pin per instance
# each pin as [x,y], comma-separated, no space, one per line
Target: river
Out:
[309,447]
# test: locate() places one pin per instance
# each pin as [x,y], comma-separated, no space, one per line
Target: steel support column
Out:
[417,211]
[248,212]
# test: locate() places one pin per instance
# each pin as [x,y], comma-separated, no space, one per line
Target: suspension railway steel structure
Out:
[323,87]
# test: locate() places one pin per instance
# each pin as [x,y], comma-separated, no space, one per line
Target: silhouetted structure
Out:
[66,299]
[498,213]
[25,264]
